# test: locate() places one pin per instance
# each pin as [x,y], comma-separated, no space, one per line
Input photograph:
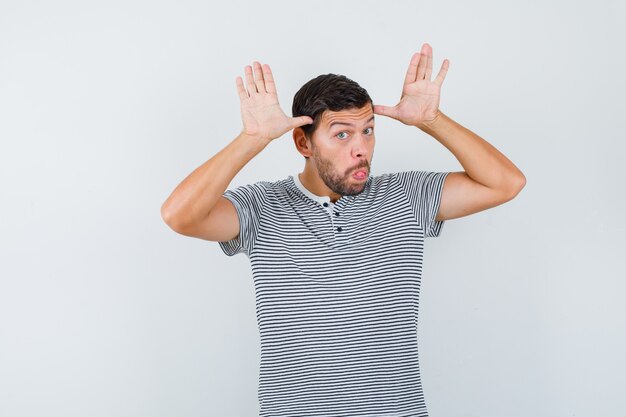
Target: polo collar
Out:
[319,198]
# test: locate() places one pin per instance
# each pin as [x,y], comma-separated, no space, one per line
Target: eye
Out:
[342,133]
[369,131]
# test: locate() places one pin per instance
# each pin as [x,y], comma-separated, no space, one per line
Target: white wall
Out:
[106,106]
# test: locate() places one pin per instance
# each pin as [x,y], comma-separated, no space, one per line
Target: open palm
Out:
[260,111]
[419,102]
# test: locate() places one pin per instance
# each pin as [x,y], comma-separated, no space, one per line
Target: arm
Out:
[196,207]
[489,179]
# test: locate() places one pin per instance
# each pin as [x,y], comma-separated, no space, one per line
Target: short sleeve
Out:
[248,201]
[423,189]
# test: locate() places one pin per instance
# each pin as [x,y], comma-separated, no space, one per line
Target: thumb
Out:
[386,111]
[300,121]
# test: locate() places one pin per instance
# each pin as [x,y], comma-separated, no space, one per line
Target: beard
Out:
[339,183]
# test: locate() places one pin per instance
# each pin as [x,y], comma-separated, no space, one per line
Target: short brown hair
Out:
[327,92]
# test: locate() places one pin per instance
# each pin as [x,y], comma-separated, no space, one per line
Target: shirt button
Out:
[339,229]
[336,213]
[325,204]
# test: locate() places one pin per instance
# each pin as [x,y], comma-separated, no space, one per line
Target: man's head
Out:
[327,92]
[341,137]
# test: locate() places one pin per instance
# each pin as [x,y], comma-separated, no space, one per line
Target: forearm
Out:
[481,161]
[195,196]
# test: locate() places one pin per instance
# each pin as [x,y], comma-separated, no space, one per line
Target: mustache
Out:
[364,164]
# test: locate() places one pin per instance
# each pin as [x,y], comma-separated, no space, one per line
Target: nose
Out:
[361,146]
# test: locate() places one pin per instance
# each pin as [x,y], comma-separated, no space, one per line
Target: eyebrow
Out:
[348,124]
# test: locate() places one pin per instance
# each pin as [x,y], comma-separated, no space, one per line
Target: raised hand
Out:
[419,102]
[260,112]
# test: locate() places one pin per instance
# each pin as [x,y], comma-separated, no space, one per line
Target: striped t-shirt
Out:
[337,293]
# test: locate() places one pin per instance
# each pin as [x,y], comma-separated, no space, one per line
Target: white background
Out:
[106,106]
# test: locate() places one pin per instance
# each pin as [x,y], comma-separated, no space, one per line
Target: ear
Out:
[303,144]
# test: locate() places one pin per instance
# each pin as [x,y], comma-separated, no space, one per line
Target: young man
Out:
[336,253]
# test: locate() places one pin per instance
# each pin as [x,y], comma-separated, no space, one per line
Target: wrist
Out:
[429,125]
[255,141]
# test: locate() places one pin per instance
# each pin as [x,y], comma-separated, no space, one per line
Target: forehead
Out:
[351,116]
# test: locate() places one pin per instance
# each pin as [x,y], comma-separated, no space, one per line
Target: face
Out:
[343,144]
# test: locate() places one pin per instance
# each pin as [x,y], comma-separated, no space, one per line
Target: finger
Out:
[270,87]
[258,78]
[241,89]
[250,80]
[421,68]
[386,111]
[411,73]
[429,66]
[442,72]
[300,121]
